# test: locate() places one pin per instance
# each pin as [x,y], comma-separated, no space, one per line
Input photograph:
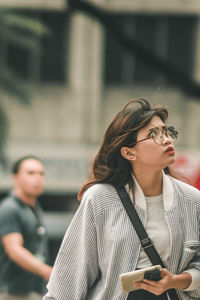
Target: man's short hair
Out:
[16,165]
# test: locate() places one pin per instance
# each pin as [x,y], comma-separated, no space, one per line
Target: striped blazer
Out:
[101,242]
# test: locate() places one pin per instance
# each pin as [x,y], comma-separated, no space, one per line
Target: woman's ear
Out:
[128,153]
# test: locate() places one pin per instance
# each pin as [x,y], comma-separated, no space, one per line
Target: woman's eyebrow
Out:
[157,127]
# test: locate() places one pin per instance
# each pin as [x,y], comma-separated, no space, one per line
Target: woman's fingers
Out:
[150,286]
[156,287]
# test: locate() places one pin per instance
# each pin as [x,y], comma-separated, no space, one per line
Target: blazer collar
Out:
[168,193]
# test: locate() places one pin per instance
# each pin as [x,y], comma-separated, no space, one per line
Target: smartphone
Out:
[127,279]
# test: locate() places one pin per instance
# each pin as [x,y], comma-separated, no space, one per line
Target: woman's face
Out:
[149,153]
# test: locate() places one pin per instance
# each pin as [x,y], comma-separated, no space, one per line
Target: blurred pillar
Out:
[85,75]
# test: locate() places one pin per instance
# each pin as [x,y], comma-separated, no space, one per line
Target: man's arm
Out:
[13,245]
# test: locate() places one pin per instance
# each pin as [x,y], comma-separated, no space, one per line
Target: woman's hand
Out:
[168,281]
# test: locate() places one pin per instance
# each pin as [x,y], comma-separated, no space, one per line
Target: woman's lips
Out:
[170,151]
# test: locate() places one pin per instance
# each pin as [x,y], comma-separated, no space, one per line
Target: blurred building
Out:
[83,76]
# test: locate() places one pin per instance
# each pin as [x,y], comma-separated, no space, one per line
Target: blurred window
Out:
[50,64]
[169,37]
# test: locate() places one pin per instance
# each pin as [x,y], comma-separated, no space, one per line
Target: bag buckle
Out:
[146,243]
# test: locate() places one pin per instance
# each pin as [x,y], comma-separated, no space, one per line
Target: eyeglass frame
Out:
[173,130]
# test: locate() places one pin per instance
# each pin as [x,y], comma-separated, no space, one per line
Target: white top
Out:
[156,226]
[158,231]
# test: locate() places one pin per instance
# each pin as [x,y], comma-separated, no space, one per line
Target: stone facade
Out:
[65,124]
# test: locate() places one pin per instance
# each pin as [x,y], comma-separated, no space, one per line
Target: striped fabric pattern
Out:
[101,243]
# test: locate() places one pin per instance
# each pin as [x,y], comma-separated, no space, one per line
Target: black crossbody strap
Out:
[139,228]
[141,232]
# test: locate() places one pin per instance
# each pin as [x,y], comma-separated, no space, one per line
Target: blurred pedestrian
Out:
[136,156]
[23,240]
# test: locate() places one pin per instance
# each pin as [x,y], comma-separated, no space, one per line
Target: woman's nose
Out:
[167,139]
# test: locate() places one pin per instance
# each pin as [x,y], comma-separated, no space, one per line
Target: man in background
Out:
[23,241]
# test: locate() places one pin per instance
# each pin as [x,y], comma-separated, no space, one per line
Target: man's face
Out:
[30,178]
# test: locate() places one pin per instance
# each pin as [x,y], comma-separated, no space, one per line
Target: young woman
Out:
[101,243]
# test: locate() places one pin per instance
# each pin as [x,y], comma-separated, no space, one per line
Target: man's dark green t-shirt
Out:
[16,216]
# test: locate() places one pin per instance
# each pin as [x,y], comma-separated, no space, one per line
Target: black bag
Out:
[144,239]
[144,295]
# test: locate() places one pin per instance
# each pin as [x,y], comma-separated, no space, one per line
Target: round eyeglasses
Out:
[158,135]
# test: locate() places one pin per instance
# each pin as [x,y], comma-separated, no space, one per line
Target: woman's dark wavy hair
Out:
[109,166]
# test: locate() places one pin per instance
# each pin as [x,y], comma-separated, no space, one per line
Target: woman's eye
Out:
[153,132]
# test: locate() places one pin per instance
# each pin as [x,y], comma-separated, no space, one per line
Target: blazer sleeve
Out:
[193,291]
[76,266]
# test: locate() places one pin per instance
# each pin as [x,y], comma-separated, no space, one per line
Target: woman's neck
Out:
[150,182]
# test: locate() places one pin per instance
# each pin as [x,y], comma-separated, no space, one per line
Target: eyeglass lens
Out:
[158,135]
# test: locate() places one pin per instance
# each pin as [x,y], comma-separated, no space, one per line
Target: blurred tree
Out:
[21,31]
